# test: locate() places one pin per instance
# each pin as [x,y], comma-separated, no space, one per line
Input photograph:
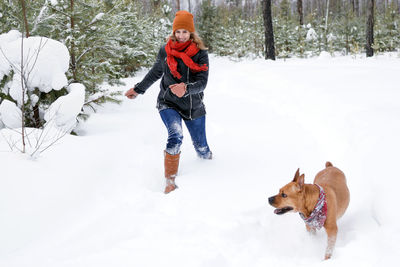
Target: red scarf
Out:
[183,51]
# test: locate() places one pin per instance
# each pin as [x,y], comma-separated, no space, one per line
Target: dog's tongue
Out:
[277,211]
[283,210]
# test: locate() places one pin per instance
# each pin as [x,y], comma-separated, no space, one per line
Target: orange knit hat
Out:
[183,20]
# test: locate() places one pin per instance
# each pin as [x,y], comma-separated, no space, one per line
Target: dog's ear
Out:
[296,175]
[300,181]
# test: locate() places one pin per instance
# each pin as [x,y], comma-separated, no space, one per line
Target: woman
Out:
[182,65]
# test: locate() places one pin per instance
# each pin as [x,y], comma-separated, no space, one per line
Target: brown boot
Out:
[171,163]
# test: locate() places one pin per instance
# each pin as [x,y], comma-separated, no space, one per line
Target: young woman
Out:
[182,65]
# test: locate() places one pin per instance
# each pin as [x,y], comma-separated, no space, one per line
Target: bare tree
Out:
[326,25]
[370,29]
[25,18]
[268,29]
[398,6]
[178,5]
[37,140]
[25,29]
[48,135]
[355,7]
[72,51]
[300,11]
[23,85]
[36,115]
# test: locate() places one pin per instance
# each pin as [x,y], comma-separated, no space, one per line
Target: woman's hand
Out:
[179,89]
[131,94]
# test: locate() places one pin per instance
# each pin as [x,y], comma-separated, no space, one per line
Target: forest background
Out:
[112,39]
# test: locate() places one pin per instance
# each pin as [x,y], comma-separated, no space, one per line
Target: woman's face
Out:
[182,35]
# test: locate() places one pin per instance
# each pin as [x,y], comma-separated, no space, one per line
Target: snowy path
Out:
[96,199]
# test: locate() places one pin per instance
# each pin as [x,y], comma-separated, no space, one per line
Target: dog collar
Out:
[318,215]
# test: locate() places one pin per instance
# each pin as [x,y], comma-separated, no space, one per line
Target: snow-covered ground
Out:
[96,199]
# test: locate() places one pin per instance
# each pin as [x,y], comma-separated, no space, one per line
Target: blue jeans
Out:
[197,129]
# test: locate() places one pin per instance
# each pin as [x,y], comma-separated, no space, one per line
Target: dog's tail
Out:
[328,164]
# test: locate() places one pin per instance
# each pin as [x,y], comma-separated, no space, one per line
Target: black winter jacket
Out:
[191,105]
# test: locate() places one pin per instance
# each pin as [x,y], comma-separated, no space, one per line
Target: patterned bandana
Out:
[318,215]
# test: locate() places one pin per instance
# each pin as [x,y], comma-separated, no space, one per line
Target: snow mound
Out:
[45,62]
[9,37]
[324,55]
[65,109]
[10,114]
[311,35]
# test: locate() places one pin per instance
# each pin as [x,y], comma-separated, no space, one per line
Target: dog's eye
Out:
[283,195]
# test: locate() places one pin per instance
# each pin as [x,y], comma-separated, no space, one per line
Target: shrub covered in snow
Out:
[30,69]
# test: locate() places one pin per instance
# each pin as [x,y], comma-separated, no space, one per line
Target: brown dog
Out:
[319,204]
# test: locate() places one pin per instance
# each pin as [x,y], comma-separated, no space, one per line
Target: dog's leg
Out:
[331,231]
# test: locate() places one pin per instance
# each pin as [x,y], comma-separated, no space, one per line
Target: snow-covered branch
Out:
[37,63]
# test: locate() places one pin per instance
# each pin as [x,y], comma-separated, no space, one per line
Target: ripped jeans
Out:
[197,129]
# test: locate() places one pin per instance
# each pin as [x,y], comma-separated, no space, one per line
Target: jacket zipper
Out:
[190,96]
[165,59]
[165,93]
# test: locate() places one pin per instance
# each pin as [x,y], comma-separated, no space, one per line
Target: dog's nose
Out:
[271,200]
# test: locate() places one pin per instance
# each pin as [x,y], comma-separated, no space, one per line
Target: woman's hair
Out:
[194,37]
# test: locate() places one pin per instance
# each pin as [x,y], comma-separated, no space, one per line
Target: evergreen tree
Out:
[285,31]
[140,36]
[208,24]
[387,30]
[83,26]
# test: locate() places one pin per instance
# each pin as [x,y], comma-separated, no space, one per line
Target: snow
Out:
[45,63]
[62,113]
[54,2]
[97,199]
[324,55]
[311,35]
[97,17]
[10,114]
[9,37]
[6,38]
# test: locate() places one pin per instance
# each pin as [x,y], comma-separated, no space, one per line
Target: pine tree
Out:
[207,21]
[84,27]
[139,35]
[285,34]
[387,30]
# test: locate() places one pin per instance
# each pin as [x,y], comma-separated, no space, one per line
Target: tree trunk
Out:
[23,93]
[268,29]
[321,7]
[36,115]
[398,6]
[356,8]
[190,7]
[370,29]
[178,5]
[300,11]
[72,50]
[25,18]
[326,25]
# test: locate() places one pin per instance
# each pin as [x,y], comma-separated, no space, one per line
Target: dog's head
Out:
[290,196]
